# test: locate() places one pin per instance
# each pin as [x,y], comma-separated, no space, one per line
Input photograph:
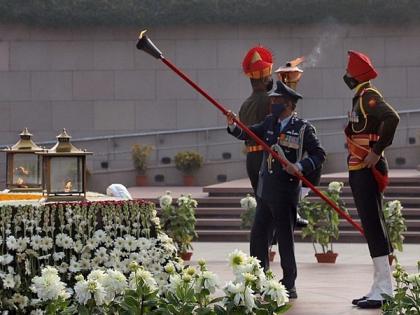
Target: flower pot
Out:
[328,257]
[188,180]
[391,258]
[141,180]
[271,255]
[186,256]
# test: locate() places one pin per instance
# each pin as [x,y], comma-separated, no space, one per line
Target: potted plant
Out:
[140,155]
[396,226]
[179,222]
[323,223]
[188,162]
[249,204]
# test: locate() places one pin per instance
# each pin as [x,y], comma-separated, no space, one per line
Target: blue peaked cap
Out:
[283,90]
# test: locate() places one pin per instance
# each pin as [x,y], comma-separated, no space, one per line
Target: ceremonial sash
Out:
[358,147]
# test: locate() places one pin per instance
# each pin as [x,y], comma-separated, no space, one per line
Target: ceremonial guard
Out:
[371,128]
[257,65]
[278,188]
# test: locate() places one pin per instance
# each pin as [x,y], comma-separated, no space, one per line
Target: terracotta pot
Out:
[186,256]
[189,180]
[328,257]
[141,180]
[271,255]
[391,258]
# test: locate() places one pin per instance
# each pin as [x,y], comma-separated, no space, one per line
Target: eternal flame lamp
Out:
[23,166]
[64,171]
[291,73]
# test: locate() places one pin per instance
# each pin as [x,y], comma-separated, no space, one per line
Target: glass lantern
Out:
[23,173]
[64,171]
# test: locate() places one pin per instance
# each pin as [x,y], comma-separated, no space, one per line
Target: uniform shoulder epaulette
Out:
[370,89]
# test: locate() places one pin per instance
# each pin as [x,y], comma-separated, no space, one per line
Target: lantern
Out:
[64,171]
[23,173]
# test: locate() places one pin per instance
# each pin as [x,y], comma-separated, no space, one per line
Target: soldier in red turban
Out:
[371,128]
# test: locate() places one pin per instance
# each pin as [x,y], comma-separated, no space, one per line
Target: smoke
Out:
[326,41]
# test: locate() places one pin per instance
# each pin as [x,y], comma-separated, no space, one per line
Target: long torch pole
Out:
[144,43]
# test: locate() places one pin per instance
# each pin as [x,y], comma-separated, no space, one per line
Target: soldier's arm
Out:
[238,133]
[315,153]
[375,106]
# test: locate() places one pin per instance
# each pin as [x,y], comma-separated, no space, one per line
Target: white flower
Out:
[11,243]
[9,281]
[59,238]
[91,243]
[335,187]
[97,275]
[175,281]
[37,312]
[143,243]
[22,243]
[248,202]
[130,243]
[68,242]
[36,241]
[165,200]
[414,278]
[241,294]
[58,256]
[48,286]
[86,289]
[119,243]
[6,259]
[46,243]
[78,246]
[74,266]
[142,275]
[100,236]
[114,283]
[20,300]
[101,254]
[237,258]
[208,280]
[276,291]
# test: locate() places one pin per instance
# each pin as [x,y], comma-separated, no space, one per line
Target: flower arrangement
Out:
[188,162]
[179,221]
[249,204]
[140,154]
[395,223]
[75,238]
[188,290]
[406,298]
[322,221]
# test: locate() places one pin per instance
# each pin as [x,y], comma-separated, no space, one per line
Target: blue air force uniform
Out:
[278,191]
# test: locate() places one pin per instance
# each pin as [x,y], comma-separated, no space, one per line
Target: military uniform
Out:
[253,111]
[278,191]
[371,127]
[257,65]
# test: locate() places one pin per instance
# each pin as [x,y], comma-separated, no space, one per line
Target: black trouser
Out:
[253,164]
[368,202]
[281,216]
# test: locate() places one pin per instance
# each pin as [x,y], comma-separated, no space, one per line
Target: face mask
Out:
[351,82]
[278,109]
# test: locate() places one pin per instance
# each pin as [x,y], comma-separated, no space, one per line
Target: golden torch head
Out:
[291,73]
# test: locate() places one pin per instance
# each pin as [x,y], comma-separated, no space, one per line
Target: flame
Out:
[142,34]
[297,61]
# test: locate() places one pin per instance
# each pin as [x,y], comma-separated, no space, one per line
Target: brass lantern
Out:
[64,171]
[23,172]
[291,73]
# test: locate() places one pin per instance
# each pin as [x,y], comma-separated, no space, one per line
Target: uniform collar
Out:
[284,122]
[361,87]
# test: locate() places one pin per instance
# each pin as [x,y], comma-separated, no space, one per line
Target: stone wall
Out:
[94,81]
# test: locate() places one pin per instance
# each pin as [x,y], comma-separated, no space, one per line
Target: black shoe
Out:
[370,304]
[355,301]
[301,222]
[292,293]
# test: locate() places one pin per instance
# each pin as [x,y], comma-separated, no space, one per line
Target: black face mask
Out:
[269,85]
[350,82]
[277,109]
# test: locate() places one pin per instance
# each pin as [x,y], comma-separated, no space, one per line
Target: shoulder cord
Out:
[363,110]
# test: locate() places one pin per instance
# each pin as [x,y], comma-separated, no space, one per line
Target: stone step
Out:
[405,201]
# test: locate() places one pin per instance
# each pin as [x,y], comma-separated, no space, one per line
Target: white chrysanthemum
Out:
[86,289]
[175,281]
[414,278]
[59,238]
[114,284]
[275,291]
[58,256]
[335,187]
[20,301]
[248,202]
[130,243]
[241,294]
[11,242]
[145,276]
[143,243]
[6,259]
[100,236]
[395,206]
[37,312]
[207,280]
[68,242]
[22,244]
[97,275]
[237,258]
[9,281]
[36,242]
[74,266]
[48,286]
[46,243]
[165,200]
[169,268]
[92,243]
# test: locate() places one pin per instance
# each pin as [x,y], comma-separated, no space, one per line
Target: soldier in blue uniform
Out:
[278,188]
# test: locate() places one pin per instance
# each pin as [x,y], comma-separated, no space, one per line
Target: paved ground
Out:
[322,288]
